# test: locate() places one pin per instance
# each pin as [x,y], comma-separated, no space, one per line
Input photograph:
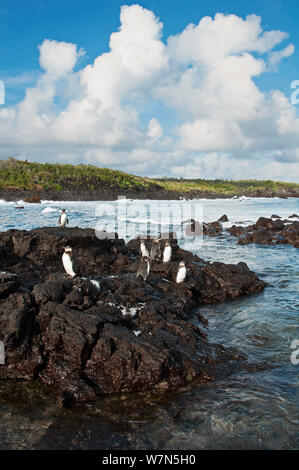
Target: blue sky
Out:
[88,24]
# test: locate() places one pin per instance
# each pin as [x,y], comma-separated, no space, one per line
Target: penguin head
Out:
[182,264]
[167,243]
[68,249]
[62,211]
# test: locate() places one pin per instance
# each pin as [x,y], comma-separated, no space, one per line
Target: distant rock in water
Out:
[33,199]
[81,339]
[268,232]
[223,218]
[212,228]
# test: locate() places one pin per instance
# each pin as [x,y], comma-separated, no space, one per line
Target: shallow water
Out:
[248,410]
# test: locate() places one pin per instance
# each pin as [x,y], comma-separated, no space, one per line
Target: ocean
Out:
[248,410]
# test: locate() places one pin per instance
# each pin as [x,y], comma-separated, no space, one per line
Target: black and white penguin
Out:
[167,252]
[63,220]
[144,249]
[181,274]
[70,262]
[143,268]
[155,250]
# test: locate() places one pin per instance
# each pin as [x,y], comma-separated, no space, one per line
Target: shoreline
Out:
[16,195]
[106,331]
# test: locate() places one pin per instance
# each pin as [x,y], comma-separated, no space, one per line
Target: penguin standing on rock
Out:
[143,269]
[70,262]
[143,249]
[155,250]
[63,220]
[181,274]
[167,252]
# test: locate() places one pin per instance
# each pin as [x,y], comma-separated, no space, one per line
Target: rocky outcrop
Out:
[223,218]
[33,199]
[268,232]
[212,228]
[106,331]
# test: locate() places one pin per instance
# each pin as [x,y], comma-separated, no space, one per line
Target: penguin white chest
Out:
[181,275]
[148,268]
[63,219]
[167,254]
[68,265]
[144,251]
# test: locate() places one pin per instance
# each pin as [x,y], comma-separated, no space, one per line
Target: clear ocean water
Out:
[248,410]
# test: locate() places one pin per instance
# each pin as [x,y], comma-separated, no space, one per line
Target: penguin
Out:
[143,269]
[70,262]
[143,249]
[167,252]
[155,250]
[181,274]
[63,220]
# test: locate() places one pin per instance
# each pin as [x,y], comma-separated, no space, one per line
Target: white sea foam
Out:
[11,203]
[144,221]
[49,210]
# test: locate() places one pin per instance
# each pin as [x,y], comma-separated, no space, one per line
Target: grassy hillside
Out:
[20,175]
[226,187]
[29,175]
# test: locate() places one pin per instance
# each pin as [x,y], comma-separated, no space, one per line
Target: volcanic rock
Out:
[33,199]
[268,232]
[223,218]
[107,331]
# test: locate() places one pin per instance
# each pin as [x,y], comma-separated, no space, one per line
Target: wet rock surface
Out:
[268,232]
[35,199]
[196,228]
[106,331]
[223,218]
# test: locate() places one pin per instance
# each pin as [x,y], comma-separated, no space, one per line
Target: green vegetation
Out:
[16,174]
[227,187]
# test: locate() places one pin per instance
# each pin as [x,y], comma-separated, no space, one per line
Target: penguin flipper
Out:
[76,266]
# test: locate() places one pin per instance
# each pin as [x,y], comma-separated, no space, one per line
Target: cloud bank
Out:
[189,107]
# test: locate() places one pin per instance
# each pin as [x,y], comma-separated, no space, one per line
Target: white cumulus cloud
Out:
[111,112]
[58,58]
